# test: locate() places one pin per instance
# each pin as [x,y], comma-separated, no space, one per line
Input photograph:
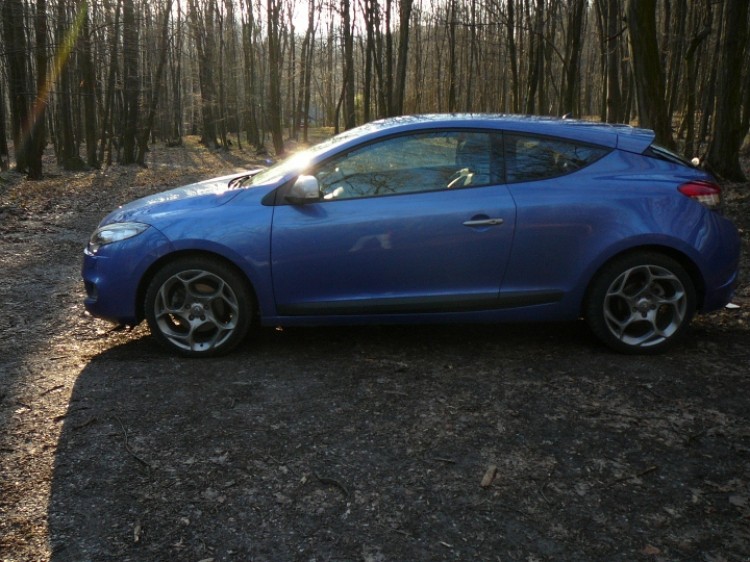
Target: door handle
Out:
[484,222]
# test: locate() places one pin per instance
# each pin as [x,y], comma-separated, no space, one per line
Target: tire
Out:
[198,307]
[640,303]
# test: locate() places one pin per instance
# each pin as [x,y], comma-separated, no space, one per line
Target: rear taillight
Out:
[704,192]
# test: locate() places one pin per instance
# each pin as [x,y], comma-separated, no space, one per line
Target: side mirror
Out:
[306,189]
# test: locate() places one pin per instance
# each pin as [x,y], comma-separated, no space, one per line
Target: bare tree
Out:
[729,129]
[146,132]
[133,72]
[4,152]
[649,82]
[513,56]
[701,33]
[36,128]
[536,58]
[205,44]
[574,35]
[615,113]
[131,84]
[107,130]
[14,36]
[399,93]
[88,85]
[302,118]
[273,10]
[348,93]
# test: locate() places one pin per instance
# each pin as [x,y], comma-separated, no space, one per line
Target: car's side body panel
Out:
[576,223]
[427,251]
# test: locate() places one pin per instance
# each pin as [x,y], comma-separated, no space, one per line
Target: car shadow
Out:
[162,457]
[388,443]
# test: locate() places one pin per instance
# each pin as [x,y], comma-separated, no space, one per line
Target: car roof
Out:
[624,137]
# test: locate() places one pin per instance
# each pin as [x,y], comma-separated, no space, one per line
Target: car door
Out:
[413,223]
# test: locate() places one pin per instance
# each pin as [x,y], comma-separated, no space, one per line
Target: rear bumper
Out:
[723,269]
[719,297]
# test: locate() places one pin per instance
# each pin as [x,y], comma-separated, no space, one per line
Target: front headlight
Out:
[114,233]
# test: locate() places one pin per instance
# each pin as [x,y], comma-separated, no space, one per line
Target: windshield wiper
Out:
[238,181]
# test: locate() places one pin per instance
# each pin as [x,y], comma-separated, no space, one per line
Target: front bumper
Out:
[113,276]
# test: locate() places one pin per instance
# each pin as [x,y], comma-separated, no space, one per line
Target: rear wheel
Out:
[198,307]
[640,303]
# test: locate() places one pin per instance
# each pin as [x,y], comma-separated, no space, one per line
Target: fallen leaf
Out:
[489,476]
[738,501]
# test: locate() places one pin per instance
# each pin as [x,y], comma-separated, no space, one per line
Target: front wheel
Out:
[198,307]
[640,303]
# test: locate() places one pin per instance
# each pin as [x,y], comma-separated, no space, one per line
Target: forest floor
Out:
[372,444]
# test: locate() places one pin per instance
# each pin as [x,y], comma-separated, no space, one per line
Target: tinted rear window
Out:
[657,151]
[529,158]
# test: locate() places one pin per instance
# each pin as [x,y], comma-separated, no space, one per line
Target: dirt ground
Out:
[375,444]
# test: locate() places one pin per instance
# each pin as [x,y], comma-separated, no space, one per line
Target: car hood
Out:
[202,195]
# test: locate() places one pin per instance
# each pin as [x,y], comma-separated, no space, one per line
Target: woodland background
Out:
[358,444]
[101,80]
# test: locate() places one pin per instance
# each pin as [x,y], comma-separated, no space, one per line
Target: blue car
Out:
[427,219]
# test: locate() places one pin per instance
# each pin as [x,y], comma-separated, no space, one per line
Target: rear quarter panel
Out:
[568,227]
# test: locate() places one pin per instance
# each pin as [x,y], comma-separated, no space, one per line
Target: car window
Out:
[529,158]
[662,153]
[412,163]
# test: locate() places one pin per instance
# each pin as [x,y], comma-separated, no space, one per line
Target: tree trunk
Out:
[369,16]
[107,132]
[403,57]
[37,130]
[451,22]
[676,50]
[308,72]
[146,132]
[18,81]
[691,64]
[536,58]
[221,96]
[131,84]
[348,93]
[380,75]
[513,56]
[67,149]
[274,77]
[175,65]
[88,87]
[251,81]
[615,112]
[389,85]
[723,154]
[4,152]
[576,12]
[649,83]
[234,69]
[203,30]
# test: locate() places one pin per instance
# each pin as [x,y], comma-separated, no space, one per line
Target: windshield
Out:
[297,163]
